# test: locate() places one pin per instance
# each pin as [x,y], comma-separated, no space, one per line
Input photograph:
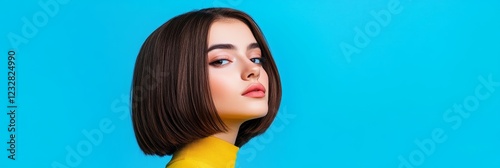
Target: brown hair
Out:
[171,101]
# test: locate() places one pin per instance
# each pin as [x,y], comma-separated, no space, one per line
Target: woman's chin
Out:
[246,115]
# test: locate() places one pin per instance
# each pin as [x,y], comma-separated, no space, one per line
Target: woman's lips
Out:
[255,94]
[255,90]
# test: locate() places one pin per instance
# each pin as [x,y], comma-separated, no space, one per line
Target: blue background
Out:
[366,109]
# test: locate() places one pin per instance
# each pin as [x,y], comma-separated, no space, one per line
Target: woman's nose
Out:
[250,71]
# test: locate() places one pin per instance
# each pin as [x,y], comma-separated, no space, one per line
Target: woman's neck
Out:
[231,133]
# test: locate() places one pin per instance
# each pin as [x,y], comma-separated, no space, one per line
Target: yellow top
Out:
[209,152]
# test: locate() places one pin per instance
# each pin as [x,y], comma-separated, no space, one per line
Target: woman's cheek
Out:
[220,85]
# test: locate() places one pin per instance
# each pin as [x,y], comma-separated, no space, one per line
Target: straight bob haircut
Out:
[170,95]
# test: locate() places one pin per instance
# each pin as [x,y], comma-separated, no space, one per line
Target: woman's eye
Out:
[219,62]
[256,60]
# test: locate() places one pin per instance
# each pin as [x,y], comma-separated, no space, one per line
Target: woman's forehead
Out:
[230,31]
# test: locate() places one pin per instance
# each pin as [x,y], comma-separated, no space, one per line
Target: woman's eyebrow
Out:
[221,46]
[253,45]
[231,47]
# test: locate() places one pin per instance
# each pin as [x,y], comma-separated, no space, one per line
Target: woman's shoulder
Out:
[187,163]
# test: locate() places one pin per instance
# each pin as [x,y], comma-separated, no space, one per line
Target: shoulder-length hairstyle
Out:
[171,101]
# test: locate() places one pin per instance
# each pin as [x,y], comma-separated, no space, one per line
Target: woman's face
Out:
[234,66]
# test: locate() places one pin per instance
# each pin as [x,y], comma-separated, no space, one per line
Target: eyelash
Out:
[218,62]
[260,60]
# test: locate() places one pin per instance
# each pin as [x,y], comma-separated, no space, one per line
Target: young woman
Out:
[204,84]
